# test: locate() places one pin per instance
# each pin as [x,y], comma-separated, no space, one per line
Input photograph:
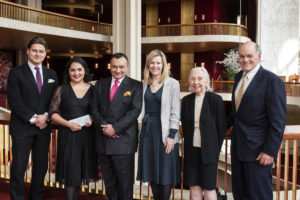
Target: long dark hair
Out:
[87,76]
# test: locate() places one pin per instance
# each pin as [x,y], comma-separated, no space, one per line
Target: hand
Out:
[88,124]
[169,144]
[39,119]
[74,126]
[265,159]
[109,131]
[44,125]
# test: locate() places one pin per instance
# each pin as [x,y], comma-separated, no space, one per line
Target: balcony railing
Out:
[285,175]
[32,15]
[291,88]
[195,29]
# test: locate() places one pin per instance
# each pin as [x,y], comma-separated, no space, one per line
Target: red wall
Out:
[169,9]
[211,9]
[210,58]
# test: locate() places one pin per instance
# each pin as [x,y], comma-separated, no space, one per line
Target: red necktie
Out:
[114,90]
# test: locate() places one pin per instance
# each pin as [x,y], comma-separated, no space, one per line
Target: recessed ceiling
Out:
[16,39]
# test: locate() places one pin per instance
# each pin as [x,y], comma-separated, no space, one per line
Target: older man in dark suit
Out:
[118,102]
[259,115]
[30,88]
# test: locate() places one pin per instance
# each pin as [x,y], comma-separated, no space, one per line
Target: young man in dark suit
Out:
[259,115]
[118,102]
[30,88]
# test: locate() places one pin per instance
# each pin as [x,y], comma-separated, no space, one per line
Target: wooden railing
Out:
[195,29]
[32,15]
[291,88]
[285,183]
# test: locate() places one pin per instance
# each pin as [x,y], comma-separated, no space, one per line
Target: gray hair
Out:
[206,76]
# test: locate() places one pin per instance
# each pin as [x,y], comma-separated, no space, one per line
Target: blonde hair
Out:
[165,70]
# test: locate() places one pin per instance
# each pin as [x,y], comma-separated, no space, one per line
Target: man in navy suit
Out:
[118,103]
[259,115]
[29,89]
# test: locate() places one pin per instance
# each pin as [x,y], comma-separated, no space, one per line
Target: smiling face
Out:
[156,66]
[198,82]
[76,72]
[118,67]
[36,54]
[249,58]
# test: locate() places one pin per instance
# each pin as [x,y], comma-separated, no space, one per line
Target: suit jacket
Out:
[25,100]
[212,126]
[170,107]
[122,113]
[259,123]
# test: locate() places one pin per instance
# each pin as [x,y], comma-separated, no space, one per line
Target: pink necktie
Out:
[114,90]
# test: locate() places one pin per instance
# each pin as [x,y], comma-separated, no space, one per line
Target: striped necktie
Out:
[240,93]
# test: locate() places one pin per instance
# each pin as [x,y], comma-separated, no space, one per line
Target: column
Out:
[151,18]
[187,17]
[278,35]
[127,33]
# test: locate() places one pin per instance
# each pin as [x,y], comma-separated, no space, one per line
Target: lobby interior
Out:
[192,33]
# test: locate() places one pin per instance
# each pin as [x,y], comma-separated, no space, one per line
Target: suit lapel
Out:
[252,86]
[30,77]
[236,82]
[120,91]
[45,78]
[106,88]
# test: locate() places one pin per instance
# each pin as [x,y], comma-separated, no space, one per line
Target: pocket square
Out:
[127,94]
[51,80]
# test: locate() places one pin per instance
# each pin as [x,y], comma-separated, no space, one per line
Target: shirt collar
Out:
[252,73]
[113,80]
[32,66]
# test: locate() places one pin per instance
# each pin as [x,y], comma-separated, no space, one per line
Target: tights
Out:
[161,192]
[72,192]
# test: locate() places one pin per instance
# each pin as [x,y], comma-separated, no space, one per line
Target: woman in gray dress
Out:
[158,150]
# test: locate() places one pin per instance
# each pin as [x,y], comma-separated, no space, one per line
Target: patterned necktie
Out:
[114,90]
[240,93]
[38,79]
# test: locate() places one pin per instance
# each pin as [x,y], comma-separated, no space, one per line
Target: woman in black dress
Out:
[76,160]
[204,125]
[158,150]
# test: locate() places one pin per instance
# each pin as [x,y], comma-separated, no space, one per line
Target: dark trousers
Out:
[39,144]
[117,172]
[250,180]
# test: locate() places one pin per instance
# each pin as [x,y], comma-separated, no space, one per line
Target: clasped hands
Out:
[109,131]
[40,121]
[76,127]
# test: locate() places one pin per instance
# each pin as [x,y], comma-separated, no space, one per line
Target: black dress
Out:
[76,158]
[154,164]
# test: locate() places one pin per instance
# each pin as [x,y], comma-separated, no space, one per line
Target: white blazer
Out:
[170,107]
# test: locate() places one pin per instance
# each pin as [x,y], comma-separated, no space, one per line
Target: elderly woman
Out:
[158,150]
[204,125]
[76,160]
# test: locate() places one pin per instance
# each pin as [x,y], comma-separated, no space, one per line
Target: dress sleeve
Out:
[55,102]
[172,133]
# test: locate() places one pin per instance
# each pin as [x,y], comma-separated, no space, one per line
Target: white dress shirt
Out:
[113,81]
[32,68]
[250,76]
